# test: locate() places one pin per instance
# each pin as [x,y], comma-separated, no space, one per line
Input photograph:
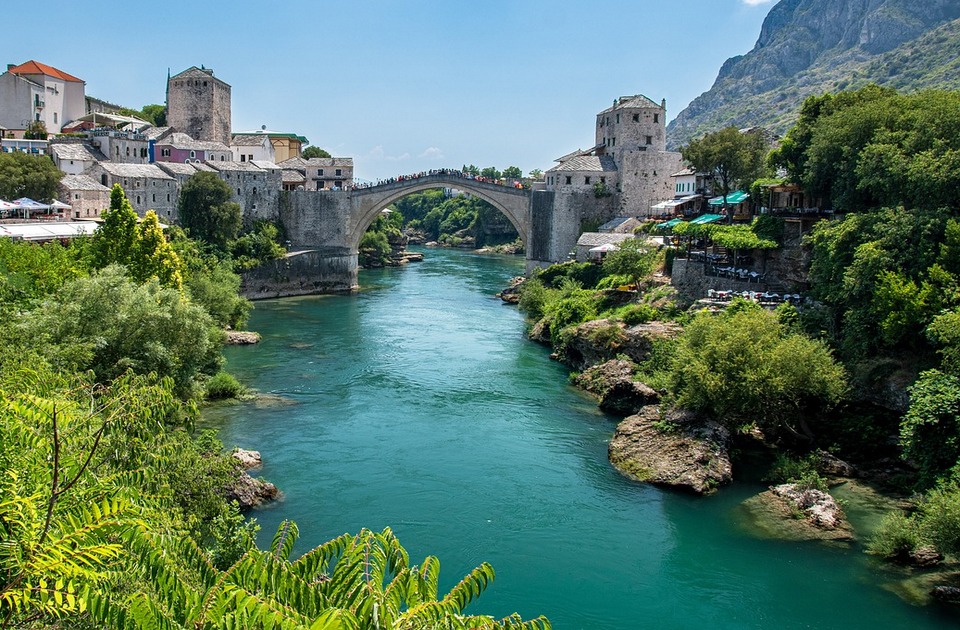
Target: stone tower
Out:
[633,132]
[198,104]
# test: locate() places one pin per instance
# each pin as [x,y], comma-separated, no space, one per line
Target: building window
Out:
[649,139]
[586,179]
[168,200]
[238,192]
[193,154]
[221,157]
[250,157]
[164,152]
[243,158]
[618,119]
[128,151]
[338,184]
[319,172]
[138,200]
[656,118]
[569,179]
[254,190]
[339,172]
[54,117]
[319,185]
[613,143]
[636,118]
[154,197]
[603,180]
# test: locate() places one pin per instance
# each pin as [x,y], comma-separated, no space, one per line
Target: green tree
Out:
[108,324]
[206,211]
[153,257]
[536,174]
[490,172]
[733,159]
[314,152]
[632,258]
[929,432]
[744,368]
[115,241]
[26,175]
[156,114]
[512,172]
[36,130]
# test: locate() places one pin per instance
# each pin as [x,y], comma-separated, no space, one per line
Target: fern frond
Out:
[284,539]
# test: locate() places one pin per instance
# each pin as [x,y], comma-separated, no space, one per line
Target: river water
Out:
[420,405]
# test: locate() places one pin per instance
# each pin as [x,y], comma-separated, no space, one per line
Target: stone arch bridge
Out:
[329,225]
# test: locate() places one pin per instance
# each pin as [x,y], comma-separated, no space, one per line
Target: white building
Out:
[34,91]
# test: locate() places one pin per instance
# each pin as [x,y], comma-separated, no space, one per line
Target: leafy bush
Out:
[535,297]
[896,537]
[613,281]
[586,274]
[743,368]
[929,431]
[801,471]
[223,385]
[634,314]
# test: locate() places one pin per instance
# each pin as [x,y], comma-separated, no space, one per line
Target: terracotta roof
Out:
[35,67]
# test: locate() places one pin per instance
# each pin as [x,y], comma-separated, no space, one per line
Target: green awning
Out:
[706,218]
[668,224]
[733,199]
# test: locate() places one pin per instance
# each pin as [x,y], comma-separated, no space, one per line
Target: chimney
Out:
[11,66]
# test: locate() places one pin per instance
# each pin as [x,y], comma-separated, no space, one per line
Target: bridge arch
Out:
[513,203]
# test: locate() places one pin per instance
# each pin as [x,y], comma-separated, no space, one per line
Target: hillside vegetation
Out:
[808,47]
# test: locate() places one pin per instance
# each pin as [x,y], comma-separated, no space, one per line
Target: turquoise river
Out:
[419,404]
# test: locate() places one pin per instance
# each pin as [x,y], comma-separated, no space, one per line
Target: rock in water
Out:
[789,512]
[250,492]
[242,337]
[612,382]
[247,459]
[693,454]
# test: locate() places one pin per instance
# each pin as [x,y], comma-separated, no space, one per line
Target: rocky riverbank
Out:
[248,491]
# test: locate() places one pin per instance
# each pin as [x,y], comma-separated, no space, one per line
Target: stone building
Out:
[334,173]
[629,158]
[120,145]
[146,186]
[633,131]
[266,146]
[255,189]
[86,197]
[179,147]
[198,104]
[73,156]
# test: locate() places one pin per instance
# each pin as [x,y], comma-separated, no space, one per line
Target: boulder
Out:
[601,340]
[925,556]
[678,449]
[242,337]
[789,513]
[250,492]
[946,594]
[818,507]
[832,466]
[511,295]
[612,382]
[247,459]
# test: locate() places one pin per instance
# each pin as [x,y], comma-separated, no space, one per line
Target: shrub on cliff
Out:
[744,368]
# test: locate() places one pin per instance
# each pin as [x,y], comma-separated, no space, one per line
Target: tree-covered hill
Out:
[814,46]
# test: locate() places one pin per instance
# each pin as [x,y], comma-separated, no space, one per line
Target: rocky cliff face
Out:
[810,47]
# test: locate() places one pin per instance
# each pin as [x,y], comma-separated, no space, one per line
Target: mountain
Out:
[815,46]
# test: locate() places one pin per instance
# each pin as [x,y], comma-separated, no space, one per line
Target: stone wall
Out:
[645,179]
[692,283]
[198,104]
[302,273]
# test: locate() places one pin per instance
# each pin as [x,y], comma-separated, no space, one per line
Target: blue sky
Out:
[401,86]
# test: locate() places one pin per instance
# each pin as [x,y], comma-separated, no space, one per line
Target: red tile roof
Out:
[35,67]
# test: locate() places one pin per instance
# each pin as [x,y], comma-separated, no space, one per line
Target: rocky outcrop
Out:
[678,450]
[242,337]
[511,295]
[601,340]
[946,594]
[613,384]
[789,512]
[925,556]
[248,459]
[248,491]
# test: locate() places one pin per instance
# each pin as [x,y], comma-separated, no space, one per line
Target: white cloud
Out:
[377,153]
[432,153]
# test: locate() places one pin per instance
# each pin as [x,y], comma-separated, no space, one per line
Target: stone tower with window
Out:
[198,104]
[634,133]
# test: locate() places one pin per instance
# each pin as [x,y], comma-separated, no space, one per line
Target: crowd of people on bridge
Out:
[449,172]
